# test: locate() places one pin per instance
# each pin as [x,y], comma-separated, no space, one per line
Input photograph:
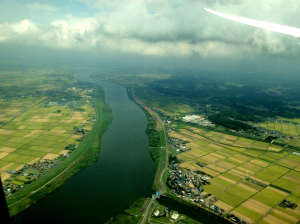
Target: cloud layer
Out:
[160,27]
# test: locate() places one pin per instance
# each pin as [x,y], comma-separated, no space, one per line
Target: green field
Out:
[249,178]
[40,120]
[38,127]
[289,127]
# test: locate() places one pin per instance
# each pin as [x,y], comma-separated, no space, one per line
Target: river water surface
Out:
[122,174]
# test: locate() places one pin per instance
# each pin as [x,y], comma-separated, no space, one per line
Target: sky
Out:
[156,29]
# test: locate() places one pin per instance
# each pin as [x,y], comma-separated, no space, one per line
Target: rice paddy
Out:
[290,128]
[249,178]
[36,126]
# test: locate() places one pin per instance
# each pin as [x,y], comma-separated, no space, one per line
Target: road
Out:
[161,171]
[146,212]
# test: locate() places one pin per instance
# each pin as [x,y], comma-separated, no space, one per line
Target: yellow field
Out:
[36,132]
[250,178]
[239,143]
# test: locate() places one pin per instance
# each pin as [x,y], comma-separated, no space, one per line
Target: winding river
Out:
[122,174]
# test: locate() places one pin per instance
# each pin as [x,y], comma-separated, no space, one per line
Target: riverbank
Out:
[160,153]
[83,156]
[158,143]
[122,173]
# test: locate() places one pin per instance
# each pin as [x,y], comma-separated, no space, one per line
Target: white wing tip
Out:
[210,11]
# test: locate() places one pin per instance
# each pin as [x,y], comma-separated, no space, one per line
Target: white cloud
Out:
[165,27]
[66,33]
[24,26]
[21,31]
[71,32]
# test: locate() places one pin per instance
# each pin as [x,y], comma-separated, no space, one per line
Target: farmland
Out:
[288,128]
[46,121]
[249,154]
[248,178]
[38,132]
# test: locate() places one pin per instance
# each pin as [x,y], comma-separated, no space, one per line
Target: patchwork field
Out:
[289,127]
[37,119]
[249,178]
[39,133]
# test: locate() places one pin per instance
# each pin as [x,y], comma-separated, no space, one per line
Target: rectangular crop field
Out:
[249,178]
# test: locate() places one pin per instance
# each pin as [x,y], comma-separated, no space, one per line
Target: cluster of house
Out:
[65,103]
[26,175]
[268,135]
[188,185]
[79,130]
[185,183]
[288,204]
[236,219]
[43,165]
[71,147]
[179,144]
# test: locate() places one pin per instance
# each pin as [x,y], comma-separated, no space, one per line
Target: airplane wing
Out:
[288,30]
